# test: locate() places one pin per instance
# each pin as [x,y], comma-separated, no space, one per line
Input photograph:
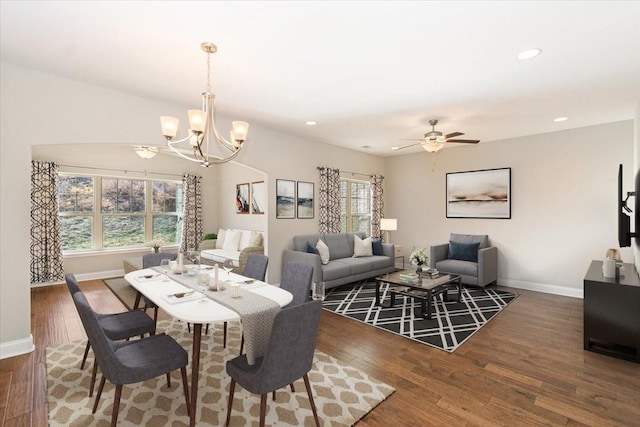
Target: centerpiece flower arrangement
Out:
[418,257]
[155,244]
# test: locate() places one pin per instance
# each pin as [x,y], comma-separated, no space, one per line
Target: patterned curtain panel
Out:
[192,229]
[329,206]
[377,210]
[46,246]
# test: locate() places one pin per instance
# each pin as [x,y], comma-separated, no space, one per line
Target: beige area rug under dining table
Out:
[342,393]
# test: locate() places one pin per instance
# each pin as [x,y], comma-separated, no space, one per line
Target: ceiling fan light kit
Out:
[434,140]
[203,128]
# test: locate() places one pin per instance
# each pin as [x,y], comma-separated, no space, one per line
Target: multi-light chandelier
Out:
[203,128]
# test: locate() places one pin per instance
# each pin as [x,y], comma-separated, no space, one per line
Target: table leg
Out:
[429,296]
[459,288]
[195,371]
[378,284]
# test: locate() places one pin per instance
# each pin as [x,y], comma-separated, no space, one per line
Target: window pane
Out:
[123,195]
[167,196]
[76,232]
[75,194]
[167,228]
[122,230]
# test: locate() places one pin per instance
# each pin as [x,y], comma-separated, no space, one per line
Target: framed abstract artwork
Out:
[304,200]
[285,198]
[242,198]
[257,197]
[479,194]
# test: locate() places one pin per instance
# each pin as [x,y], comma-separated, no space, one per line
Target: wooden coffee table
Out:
[424,290]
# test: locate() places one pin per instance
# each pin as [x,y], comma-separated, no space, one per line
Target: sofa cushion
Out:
[358,265]
[338,245]
[464,251]
[336,269]
[231,240]
[483,239]
[310,249]
[220,255]
[245,238]
[455,266]
[256,239]
[379,262]
[220,241]
[323,250]
[376,246]
[362,247]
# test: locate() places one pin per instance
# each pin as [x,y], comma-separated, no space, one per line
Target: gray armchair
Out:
[468,255]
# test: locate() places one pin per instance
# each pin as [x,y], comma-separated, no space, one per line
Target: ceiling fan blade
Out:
[411,139]
[407,146]
[464,141]
[453,135]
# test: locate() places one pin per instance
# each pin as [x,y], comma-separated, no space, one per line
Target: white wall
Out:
[564,215]
[42,109]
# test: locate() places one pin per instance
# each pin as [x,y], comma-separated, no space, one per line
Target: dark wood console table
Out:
[612,313]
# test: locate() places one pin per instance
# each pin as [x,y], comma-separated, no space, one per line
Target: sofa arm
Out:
[487,265]
[438,253]
[244,255]
[207,244]
[388,249]
[289,255]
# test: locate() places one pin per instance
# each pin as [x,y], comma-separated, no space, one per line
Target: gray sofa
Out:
[342,267]
[480,273]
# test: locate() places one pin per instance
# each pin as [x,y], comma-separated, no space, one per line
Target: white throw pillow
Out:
[324,251]
[231,240]
[361,247]
[220,241]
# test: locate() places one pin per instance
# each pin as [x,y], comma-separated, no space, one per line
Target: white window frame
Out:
[348,214]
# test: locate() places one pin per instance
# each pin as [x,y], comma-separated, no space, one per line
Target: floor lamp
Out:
[387,225]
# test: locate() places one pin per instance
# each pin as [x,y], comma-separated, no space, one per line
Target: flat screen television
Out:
[624,220]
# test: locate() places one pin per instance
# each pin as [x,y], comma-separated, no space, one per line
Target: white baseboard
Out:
[542,287]
[17,347]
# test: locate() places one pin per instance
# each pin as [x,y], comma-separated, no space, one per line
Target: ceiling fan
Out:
[433,141]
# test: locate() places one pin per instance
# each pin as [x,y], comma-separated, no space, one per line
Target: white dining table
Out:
[161,288]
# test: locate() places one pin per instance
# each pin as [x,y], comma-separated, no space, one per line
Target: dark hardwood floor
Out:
[526,367]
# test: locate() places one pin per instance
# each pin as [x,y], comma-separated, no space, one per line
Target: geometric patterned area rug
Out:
[451,323]
[342,394]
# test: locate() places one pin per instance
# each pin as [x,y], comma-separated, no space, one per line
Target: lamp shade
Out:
[388,224]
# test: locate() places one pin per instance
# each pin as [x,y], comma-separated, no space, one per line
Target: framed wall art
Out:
[479,194]
[304,200]
[242,198]
[257,197]
[285,198]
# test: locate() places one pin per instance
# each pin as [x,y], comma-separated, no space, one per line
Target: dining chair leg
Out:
[293,390]
[273,395]
[188,327]
[155,320]
[185,386]
[86,353]
[263,408]
[94,372]
[224,338]
[169,379]
[100,386]
[116,405]
[313,405]
[241,344]
[232,388]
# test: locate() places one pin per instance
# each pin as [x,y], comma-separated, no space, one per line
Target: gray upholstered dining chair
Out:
[256,267]
[296,278]
[131,361]
[289,356]
[117,326]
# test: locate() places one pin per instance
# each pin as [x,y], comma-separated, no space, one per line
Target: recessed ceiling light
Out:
[395,148]
[561,119]
[310,123]
[529,53]
[366,147]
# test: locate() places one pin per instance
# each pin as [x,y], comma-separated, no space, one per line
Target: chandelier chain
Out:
[208,72]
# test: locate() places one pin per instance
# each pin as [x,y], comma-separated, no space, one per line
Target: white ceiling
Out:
[369,72]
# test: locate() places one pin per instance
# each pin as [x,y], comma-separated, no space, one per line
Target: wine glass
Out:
[164,265]
[228,266]
[194,259]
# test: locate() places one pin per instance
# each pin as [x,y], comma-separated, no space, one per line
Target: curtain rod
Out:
[120,170]
[352,173]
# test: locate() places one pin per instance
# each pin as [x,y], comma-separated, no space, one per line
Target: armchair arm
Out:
[438,253]
[244,254]
[487,265]
[311,259]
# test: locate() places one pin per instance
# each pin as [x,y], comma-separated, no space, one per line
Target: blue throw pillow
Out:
[311,249]
[464,251]
[376,245]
